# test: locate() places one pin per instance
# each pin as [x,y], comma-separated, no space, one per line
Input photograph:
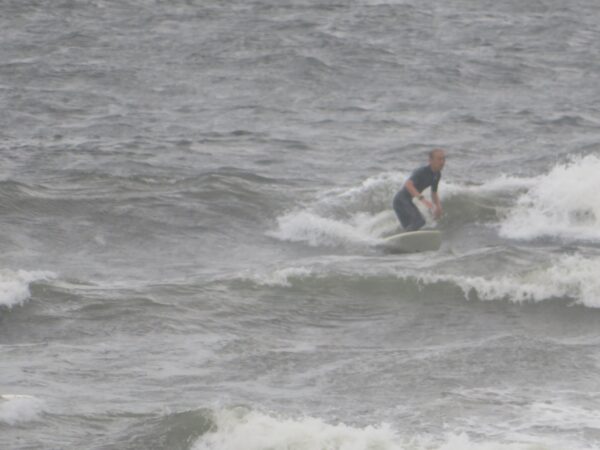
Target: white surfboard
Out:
[413,242]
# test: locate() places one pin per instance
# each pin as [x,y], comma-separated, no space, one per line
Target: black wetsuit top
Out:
[422,178]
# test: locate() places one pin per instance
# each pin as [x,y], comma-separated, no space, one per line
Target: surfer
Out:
[423,177]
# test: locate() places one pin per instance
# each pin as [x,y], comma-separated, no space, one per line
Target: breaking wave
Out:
[562,203]
[242,428]
[14,286]
[363,215]
[15,409]
[572,277]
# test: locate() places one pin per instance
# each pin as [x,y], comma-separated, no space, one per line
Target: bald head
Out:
[437,159]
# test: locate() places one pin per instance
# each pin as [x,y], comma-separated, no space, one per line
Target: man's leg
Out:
[417,221]
[408,214]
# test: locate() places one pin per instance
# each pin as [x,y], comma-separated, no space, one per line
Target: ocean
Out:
[192,194]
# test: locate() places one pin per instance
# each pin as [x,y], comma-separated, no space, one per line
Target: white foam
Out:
[279,277]
[14,286]
[362,214]
[561,203]
[359,215]
[378,189]
[564,203]
[572,276]
[564,416]
[251,430]
[501,184]
[316,230]
[16,409]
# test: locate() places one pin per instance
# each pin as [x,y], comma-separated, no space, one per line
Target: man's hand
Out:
[428,204]
[436,210]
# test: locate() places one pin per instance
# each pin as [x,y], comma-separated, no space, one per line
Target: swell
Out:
[72,310]
[212,199]
[570,279]
[176,431]
[229,428]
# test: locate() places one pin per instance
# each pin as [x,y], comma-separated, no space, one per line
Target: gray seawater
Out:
[191,197]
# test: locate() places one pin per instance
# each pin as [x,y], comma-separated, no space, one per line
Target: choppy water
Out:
[191,194]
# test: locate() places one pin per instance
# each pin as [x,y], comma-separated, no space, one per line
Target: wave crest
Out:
[243,428]
[15,409]
[562,204]
[572,277]
[14,286]
[362,215]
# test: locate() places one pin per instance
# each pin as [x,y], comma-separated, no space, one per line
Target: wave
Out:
[86,185]
[563,203]
[558,204]
[174,431]
[252,430]
[363,215]
[572,277]
[16,409]
[216,200]
[281,277]
[357,216]
[14,286]
[241,428]
[233,428]
[310,227]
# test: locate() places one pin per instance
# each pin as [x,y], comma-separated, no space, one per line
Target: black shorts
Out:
[408,214]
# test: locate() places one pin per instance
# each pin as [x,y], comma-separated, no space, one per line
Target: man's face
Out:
[437,160]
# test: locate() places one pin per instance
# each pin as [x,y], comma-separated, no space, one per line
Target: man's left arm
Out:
[437,210]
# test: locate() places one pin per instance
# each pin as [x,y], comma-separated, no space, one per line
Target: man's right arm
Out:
[410,187]
[412,190]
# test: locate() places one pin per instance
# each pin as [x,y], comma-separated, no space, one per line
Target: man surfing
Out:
[423,177]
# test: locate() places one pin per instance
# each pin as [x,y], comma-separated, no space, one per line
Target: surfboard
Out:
[413,242]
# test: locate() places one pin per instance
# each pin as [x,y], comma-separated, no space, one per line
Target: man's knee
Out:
[416,224]
[416,220]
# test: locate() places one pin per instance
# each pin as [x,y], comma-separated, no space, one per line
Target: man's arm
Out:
[437,212]
[412,190]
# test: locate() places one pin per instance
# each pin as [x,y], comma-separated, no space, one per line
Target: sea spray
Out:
[564,203]
[252,430]
[14,285]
